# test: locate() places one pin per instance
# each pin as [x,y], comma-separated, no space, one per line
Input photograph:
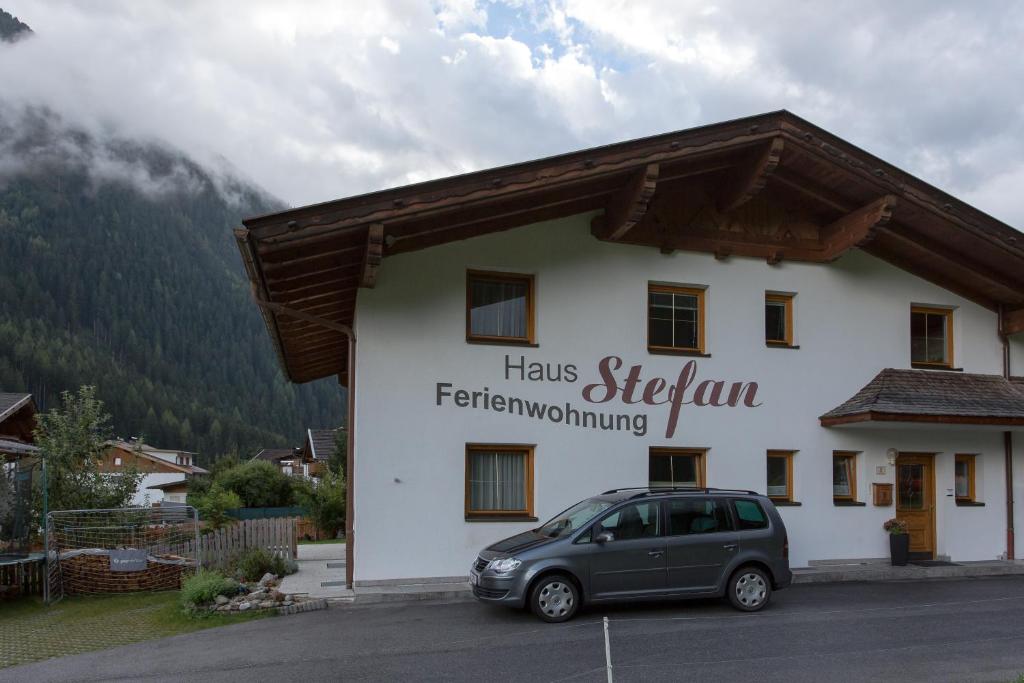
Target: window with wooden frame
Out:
[931,337]
[780,476]
[778,319]
[675,319]
[499,307]
[499,481]
[677,467]
[963,478]
[844,476]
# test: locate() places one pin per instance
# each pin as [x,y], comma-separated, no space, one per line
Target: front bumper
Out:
[507,590]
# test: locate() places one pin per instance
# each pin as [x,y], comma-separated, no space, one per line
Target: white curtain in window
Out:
[498,309]
[497,480]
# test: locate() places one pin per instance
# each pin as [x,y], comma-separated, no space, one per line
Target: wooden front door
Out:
[915,501]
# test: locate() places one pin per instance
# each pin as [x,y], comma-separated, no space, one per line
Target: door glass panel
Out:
[749,515]
[639,520]
[910,486]
[696,516]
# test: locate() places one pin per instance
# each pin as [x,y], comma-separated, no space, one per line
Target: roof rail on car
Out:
[648,490]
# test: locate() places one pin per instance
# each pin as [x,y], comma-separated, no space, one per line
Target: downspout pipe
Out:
[252,269]
[1007,441]
[350,439]
[350,461]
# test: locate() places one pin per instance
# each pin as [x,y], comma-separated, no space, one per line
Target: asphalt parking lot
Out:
[940,630]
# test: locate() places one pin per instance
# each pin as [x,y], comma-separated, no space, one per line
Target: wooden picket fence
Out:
[218,549]
[26,578]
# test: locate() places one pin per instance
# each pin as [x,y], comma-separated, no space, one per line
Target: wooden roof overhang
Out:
[772,186]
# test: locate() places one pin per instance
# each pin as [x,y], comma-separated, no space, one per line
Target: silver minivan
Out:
[641,544]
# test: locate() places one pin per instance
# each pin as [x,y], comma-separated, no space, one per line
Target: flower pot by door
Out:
[899,549]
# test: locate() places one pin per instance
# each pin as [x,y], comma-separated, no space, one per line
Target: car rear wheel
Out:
[555,598]
[749,589]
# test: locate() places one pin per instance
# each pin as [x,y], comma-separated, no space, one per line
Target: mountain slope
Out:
[117,268]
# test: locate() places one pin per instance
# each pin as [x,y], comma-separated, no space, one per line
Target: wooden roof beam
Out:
[373,255]
[1000,287]
[627,206]
[856,228]
[745,181]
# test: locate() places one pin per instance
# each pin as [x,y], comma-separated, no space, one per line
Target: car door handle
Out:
[656,553]
[730,546]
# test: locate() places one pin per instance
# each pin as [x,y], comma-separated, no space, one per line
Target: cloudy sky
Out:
[318,100]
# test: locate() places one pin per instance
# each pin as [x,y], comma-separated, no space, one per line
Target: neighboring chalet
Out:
[160,466]
[288,460]
[320,446]
[754,304]
[173,491]
[17,420]
[310,460]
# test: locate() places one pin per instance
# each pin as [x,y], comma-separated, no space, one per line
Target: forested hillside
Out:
[118,268]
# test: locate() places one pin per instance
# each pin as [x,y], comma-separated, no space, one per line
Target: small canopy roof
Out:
[933,396]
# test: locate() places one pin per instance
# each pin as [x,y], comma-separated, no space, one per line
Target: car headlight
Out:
[504,565]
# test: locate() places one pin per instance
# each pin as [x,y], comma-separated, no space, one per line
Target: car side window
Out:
[697,516]
[749,515]
[637,520]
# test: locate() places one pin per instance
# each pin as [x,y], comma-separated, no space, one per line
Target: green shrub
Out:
[203,586]
[258,483]
[325,501]
[214,505]
[252,564]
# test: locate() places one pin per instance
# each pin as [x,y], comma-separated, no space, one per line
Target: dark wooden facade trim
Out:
[771,186]
[874,416]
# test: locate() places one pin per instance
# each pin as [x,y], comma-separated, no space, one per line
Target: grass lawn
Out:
[323,542]
[30,631]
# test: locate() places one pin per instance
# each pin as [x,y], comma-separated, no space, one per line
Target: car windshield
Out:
[575,517]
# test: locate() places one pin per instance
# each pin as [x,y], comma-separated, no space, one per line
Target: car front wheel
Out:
[749,589]
[555,598]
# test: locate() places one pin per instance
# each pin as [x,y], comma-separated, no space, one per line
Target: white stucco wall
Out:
[851,321]
[153,495]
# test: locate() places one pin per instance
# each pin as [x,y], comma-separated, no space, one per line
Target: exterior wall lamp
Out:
[890,456]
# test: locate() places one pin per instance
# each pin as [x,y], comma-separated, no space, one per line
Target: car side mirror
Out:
[605,537]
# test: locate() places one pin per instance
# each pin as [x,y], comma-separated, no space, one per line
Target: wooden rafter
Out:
[628,206]
[995,285]
[856,228]
[373,255]
[747,180]
[302,315]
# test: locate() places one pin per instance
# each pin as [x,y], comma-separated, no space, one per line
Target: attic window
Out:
[931,337]
[499,307]
[117,462]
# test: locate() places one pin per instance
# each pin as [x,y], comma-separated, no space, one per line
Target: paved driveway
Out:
[948,630]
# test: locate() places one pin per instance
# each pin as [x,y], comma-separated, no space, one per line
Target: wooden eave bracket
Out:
[856,228]
[373,256]
[627,206]
[743,184]
[1013,321]
[301,315]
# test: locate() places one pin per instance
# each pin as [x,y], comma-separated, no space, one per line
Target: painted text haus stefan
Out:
[754,304]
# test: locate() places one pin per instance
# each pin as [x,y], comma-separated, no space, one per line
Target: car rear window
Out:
[696,516]
[749,515]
